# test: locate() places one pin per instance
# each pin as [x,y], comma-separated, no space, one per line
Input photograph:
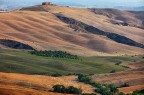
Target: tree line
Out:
[69,89]
[105,89]
[102,89]
[57,54]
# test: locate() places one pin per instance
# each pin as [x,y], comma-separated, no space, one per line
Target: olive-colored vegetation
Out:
[56,75]
[125,85]
[16,61]
[58,54]
[88,94]
[24,62]
[138,92]
[105,89]
[69,89]
[83,78]
[112,71]
[118,63]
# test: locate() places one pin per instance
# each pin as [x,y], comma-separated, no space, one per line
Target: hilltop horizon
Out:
[136,5]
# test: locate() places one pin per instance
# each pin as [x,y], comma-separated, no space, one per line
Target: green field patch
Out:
[23,62]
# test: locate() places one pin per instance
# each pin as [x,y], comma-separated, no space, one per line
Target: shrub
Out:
[59,89]
[138,92]
[125,85]
[118,63]
[69,90]
[58,54]
[83,78]
[103,90]
[125,66]
[112,71]
[113,88]
[88,94]
[73,90]
[56,75]
[120,93]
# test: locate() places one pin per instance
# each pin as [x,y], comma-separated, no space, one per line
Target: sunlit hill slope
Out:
[80,31]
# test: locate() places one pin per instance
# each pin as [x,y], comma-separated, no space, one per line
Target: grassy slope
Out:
[23,62]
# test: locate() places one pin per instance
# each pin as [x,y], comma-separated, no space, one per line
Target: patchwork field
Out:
[17,61]
[21,61]
[127,81]
[108,42]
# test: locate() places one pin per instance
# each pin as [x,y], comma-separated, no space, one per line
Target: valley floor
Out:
[129,69]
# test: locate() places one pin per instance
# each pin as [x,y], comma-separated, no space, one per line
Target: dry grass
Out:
[134,77]
[134,65]
[17,90]
[131,88]
[42,30]
[43,83]
[130,77]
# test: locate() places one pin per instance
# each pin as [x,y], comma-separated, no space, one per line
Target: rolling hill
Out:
[109,44]
[92,32]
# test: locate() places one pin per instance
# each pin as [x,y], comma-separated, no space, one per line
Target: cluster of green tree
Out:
[58,54]
[113,71]
[124,85]
[103,89]
[69,90]
[106,89]
[88,94]
[56,75]
[118,63]
[83,78]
